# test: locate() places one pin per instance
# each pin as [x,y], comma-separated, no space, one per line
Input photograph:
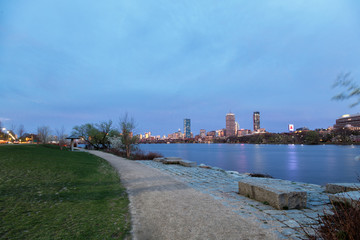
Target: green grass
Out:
[46,193]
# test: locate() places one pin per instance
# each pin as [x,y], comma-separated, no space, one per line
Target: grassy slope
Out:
[46,193]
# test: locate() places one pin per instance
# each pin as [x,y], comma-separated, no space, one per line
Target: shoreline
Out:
[300,163]
[223,186]
[301,144]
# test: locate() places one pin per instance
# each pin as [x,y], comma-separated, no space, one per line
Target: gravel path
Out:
[163,207]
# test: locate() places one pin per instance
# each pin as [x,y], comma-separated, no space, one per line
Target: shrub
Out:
[343,223]
[116,152]
[260,175]
[139,155]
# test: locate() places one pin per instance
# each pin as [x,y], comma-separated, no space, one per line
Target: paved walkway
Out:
[163,207]
[223,186]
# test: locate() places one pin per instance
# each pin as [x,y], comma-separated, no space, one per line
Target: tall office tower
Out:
[230,124]
[187,128]
[256,119]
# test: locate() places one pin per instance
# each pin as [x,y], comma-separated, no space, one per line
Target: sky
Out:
[70,62]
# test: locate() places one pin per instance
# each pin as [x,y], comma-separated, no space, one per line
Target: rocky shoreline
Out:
[223,186]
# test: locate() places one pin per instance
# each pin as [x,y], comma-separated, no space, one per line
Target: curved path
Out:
[164,208]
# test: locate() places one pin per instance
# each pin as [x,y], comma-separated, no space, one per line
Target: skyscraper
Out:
[256,119]
[187,128]
[230,124]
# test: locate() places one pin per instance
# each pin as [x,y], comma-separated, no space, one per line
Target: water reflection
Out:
[313,164]
[292,158]
[258,159]
[242,161]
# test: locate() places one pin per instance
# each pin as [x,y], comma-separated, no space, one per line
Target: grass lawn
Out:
[46,193]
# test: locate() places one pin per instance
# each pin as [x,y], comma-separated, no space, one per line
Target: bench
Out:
[279,194]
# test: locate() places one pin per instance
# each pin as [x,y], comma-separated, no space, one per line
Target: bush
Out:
[260,175]
[138,155]
[343,223]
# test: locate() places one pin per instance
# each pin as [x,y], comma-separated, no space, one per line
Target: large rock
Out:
[186,163]
[158,159]
[342,187]
[171,161]
[177,160]
[277,193]
[173,158]
[352,198]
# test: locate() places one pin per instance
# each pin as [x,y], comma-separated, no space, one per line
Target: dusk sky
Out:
[70,62]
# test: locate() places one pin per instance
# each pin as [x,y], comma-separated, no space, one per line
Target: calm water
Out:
[312,164]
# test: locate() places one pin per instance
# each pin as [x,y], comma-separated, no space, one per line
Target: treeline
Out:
[341,136]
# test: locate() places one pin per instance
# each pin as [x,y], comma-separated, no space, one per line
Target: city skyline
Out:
[161,62]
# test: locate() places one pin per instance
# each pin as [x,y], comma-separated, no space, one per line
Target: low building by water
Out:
[349,121]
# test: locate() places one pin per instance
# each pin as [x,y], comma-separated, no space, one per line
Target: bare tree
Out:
[13,127]
[21,131]
[105,129]
[43,133]
[352,89]
[60,133]
[128,140]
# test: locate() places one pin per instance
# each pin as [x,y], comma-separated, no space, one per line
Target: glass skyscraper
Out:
[256,119]
[187,128]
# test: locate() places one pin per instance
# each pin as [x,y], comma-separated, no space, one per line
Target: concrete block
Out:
[346,197]
[342,187]
[158,159]
[173,158]
[276,193]
[171,161]
[186,163]
[204,166]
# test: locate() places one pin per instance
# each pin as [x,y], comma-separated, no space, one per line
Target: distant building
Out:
[230,124]
[348,121]
[256,121]
[220,133]
[243,132]
[261,130]
[211,133]
[202,133]
[209,138]
[148,135]
[237,127]
[179,134]
[176,135]
[187,128]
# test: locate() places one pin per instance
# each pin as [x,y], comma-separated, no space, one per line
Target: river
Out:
[319,164]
